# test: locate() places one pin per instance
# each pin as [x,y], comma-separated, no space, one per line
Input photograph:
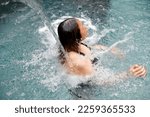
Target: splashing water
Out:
[51,35]
[49,32]
[102,72]
[50,79]
[38,74]
[125,39]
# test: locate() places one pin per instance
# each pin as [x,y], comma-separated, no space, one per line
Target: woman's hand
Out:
[138,71]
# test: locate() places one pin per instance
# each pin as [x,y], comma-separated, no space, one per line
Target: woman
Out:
[76,56]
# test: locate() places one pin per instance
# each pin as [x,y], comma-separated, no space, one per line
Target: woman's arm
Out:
[135,71]
[114,50]
[101,47]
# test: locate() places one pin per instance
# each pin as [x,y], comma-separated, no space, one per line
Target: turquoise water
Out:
[28,54]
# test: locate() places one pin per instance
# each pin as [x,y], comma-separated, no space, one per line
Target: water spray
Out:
[35,5]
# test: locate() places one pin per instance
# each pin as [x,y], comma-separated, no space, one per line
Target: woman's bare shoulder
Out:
[73,55]
[80,64]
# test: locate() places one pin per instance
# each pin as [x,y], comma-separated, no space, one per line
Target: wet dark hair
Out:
[69,34]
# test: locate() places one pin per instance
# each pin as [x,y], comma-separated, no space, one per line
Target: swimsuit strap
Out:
[86,45]
[82,53]
[95,60]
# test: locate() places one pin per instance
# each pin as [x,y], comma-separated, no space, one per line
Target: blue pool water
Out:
[28,52]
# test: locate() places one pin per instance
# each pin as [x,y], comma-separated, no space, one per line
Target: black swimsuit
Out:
[81,91]
[95,60]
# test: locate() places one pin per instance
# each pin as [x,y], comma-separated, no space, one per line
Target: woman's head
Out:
[71,32]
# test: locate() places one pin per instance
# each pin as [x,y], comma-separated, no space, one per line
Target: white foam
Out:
[74,80]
